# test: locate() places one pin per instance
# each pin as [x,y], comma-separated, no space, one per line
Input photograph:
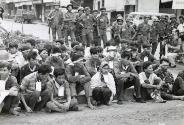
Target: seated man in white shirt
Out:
[103,86]
[151,83]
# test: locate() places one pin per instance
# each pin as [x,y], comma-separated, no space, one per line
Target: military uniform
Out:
[87,31]
[154,37]
[69,25]
[143,31]
[103,21]
[56,23]
[79,27]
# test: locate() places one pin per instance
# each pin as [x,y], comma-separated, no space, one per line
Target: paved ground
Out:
[130,113]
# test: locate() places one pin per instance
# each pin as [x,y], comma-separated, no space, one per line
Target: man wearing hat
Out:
[143,33]
[79,25]
[87,32]
[55,19]
[69,24]
[103,23]
[116,29]
[127,33]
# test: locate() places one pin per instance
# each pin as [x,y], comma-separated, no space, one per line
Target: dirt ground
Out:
[130,113]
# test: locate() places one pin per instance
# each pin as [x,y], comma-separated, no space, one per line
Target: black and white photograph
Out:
[91,62]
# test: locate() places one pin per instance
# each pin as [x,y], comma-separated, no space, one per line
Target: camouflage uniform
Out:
[69,25]
[143,31]
[87,31]
[103,21]
[56,23]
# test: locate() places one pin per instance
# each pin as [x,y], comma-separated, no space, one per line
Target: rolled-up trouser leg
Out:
[45,97]
[73,89]
[31,99]
[10,102]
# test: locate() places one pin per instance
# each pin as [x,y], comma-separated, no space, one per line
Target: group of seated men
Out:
[51,77]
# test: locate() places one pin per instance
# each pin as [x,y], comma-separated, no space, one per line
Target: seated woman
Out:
[103,86]
[151,83]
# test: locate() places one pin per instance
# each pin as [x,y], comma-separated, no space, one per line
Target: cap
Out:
[69,5]
[56,4]
[120,18]
[146,16]
[87,8]
[172,16]
[111,48]
[95,11]
[81,9]
[155,19]
[103,8]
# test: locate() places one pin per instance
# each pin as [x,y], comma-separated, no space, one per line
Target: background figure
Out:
[103,22]
[69,24]
[55,22]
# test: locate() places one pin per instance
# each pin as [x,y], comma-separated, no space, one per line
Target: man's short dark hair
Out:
[56,49]
[164,60]
[4,64]
[13,44]
[93,50]
[59,71]
[60,41]
[74,44]
[181,17]
[31,41]
[32,55]
[44,69]
[146,64]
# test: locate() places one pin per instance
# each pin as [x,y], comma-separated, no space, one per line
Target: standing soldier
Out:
[87,32]
[55,22]
[96,34]
[79,25]
[154,34]
[103,22]
[69,24]
[143,33]
[128,33]
[162,34]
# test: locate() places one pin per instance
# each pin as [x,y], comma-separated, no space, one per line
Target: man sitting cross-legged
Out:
[61,94]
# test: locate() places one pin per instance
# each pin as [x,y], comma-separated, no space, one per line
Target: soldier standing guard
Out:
[103,22]
[88,21]
[69,24]
[79,25]
[55,22]
[143,33]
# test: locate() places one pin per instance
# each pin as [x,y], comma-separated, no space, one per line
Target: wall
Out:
[148,5]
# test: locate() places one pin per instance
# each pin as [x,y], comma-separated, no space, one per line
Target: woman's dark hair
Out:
[59,71]
[31,41]
[146,64]
[44,69]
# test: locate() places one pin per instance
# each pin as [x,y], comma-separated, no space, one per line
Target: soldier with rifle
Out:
[55,22]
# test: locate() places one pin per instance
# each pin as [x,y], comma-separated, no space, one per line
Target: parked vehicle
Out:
[138,17]
[24,16]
